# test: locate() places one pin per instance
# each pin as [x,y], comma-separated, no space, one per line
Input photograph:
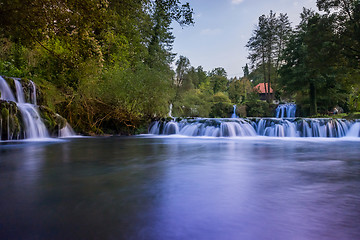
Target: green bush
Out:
[222,106]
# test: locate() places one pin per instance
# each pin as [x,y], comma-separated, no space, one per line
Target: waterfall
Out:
[354,131]
[270,127]
[6,93]
[234,113]
[287,110]
[33,96]
[170,110]
[19,92]
[33,125]
[67,131]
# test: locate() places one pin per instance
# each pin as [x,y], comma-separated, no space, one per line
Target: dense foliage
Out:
[102,64]
[317,63]
[213,94]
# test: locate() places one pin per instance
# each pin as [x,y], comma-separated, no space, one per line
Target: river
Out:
[148,187]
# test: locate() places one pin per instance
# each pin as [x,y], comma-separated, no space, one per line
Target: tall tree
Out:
[161,37]
[266,45]
[182,68]
[246,70]
[347,17]
[311,58]
[218,80]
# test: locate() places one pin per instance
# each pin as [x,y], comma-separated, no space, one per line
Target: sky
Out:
[223,27]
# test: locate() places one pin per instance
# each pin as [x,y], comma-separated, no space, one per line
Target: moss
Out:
[53,121]
[11,121]
[353,116]
[4,113]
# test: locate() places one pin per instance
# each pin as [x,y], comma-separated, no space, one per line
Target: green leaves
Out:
[267,44]
[312,63]
[109,59]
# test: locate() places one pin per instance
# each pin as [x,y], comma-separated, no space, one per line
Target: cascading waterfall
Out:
[67,131]
[271,127]
[33,95]
[6,93]
[170,110]
[354,131]
[287,110]
[234,113]
[204,127]
[33,125]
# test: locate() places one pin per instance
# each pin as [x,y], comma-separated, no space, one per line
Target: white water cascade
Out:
[170,110]
[33,125]
[67,131]
[5,91]
[234,113]
[287,110]
[354,131]
[271,127]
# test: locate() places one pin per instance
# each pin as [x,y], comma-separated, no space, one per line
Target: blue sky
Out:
[223,27]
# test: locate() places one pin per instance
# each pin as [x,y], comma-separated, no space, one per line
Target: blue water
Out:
[180,188]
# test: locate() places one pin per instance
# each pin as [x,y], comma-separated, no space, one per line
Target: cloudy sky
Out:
[223,27]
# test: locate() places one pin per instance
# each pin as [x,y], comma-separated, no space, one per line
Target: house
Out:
[260,88]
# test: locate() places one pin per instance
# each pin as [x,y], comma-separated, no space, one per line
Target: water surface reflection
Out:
[180,188]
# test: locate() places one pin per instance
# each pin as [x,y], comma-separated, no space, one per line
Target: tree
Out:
[266,45]
[239,89]
[346,14]
[311,58]
[161,37]
[182,68]
[218,80]
[246,70]
[201,75]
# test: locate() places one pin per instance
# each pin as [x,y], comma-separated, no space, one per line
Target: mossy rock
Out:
[11,121]
[53,121]
[4,113]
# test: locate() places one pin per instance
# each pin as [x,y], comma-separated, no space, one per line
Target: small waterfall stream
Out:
[287,110]
[170,110]
[33,125]
[234,113]
[6,93]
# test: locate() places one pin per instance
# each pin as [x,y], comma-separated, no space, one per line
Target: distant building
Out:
[260,88]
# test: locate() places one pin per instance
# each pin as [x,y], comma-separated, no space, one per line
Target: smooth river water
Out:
[180,188]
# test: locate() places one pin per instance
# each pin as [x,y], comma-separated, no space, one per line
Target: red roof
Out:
[260,88]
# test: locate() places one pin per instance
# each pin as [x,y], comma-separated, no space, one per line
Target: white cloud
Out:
[236,1]
[211,31]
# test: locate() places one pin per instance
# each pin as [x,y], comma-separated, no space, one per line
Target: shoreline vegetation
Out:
[105,66]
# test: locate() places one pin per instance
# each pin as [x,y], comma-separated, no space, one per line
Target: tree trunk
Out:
[269,82]
[313,105]
[264,73]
